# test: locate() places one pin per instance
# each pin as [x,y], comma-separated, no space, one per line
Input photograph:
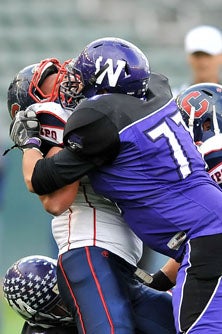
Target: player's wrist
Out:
[161,282]
[32,143]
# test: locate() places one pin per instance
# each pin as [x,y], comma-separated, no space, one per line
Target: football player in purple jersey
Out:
[103,246]
[201,109]
[135,148]
[30,289]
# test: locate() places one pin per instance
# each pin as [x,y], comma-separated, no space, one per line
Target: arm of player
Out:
[162,280]
[91,140]
[170,269]
[60,200]
[165,278]
[30,158]
[25,131]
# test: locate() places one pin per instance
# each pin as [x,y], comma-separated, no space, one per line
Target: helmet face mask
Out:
[201,109]
[30,288]
[111,65]
[43,70]
[70,89]
[25,89]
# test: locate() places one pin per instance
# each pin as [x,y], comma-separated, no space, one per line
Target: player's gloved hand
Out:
[158,281]
[24,129]
[161,282]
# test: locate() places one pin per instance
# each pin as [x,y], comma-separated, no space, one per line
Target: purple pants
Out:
[197,296]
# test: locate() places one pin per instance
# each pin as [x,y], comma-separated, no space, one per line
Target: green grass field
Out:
[11,323]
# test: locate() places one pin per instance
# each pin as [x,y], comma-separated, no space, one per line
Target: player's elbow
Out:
[28,183]
[53,211]
[55,208]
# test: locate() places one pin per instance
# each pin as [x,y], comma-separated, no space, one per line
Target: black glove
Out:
[161,282]
[24,129]
[158,281]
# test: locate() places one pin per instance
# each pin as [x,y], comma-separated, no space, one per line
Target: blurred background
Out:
[31,30]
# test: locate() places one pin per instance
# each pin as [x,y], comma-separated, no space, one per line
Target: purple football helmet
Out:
[30,288]
[200,103]
[107,65]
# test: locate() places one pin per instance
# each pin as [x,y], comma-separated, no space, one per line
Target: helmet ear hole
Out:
[207,92]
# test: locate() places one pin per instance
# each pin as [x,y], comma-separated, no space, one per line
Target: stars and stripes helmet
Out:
[30,288]
[107,64]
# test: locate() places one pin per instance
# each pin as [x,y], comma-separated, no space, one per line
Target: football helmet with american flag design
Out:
[30,288]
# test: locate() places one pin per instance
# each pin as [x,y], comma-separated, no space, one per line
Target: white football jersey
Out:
[52,118]
[212,144]
[91,220]
[211,149]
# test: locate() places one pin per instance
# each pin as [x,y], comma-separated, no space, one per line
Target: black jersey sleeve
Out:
[92,135]
[63,168]
[91,140]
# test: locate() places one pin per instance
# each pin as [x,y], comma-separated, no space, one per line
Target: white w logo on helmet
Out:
[112,76]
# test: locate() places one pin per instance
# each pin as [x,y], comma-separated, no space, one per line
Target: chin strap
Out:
[191,121]
[215,122]
[9,149]
[32,142]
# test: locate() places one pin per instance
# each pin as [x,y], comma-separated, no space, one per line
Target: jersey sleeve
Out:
[92,136]
[91,140]
[63,168]
[52,118]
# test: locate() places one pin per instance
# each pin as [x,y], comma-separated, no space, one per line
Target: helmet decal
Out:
[15,107]
[112,74]
[187,103]
[30,288]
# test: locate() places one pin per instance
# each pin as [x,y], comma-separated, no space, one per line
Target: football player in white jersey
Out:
[99,250]
[201,108]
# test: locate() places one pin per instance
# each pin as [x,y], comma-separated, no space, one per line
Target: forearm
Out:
[60,200]
[165,278]
[170,269]
[162,280]
[30,157]
[64,168]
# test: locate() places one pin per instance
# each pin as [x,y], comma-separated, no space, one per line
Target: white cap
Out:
[204,38]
